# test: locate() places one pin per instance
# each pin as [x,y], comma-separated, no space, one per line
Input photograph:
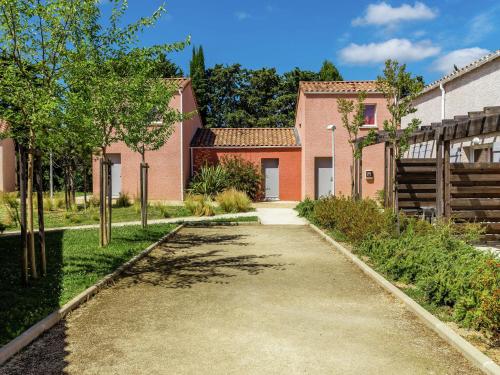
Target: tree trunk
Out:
[22,218]
[41,224]
[144,191]
[85,188]
[109,189]
[102,205]
[31,230]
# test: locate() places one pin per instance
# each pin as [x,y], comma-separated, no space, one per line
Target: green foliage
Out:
[232,200]
[380,197]
[306,208]
[209,181]
[11,204]
[357,220]
[2,227]
[242,175]
[444,268]
[163,209]
[399,89]
[198,76]
[199,205]
[232,96]
[123,200]
[329,72]
[164,68]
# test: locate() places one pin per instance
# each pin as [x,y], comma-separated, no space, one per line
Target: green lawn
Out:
[61,218]
[75,262]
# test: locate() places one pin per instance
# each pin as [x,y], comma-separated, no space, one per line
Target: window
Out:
[370,114]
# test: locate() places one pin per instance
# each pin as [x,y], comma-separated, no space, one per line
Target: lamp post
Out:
[332,129]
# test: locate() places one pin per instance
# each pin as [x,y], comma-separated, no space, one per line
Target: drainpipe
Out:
[443,100]
[182,149]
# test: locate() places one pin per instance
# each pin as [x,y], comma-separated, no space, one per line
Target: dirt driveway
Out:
[242,300]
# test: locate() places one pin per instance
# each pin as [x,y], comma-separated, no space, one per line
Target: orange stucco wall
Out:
[314,113]
[168,167]
[289,164]
[7,165]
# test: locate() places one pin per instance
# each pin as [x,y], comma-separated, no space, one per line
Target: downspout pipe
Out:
[443,101]
[182,147]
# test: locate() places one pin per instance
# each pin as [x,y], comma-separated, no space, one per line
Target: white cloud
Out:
[383,14]
[402,50]
[241,16]
[459,57]
[480,26]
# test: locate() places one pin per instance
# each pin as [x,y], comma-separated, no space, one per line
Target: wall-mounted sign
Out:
[369,175]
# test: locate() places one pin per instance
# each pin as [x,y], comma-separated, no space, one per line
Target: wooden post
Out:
[144,193]
[109,190]
[41,224]
[360,174]
[439,173]
[447,180]
[102,240]
[22,218]
[386,175]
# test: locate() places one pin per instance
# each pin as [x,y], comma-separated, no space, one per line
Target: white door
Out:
[324,177]
[116,174]
[271,177]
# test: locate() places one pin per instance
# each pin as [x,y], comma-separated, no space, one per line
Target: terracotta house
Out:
[295,162]
[316,110]
[170,166]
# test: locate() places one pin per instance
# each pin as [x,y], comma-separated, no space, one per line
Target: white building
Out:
[466,90]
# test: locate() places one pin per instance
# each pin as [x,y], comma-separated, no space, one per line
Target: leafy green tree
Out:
[399,89]
[329,72]
[352,115]
[198,75]
[35,38]
[103,76]
[165,68]
[147,118]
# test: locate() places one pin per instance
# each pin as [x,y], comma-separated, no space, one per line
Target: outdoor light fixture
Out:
[332,128]
[476,141]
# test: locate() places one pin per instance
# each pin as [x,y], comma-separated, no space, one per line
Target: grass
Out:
[61,218]
[75,262]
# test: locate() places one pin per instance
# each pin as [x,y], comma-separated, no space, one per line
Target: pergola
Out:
[483,123]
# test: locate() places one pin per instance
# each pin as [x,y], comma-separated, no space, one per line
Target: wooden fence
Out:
[470,192]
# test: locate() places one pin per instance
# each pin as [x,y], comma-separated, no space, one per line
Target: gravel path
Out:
[242,300]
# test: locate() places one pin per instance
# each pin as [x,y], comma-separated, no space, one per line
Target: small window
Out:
[370,114]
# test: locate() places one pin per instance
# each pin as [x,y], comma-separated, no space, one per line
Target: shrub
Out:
[242,175]
[11,204]
[93,202]
[59,202]
[199,205]
[306,208]
[123,200]
[48,204]
[445,270]
[164,211]
[2,227]
[232,200]
[355,219]
[209,181]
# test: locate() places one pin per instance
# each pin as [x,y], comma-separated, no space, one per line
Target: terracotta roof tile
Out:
[338,86]
[181,83]
[245,137]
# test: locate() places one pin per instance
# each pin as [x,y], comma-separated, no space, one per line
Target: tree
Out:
[399,89]
[102,83]
[147,118]
[35,37]
[165,68]
[329,72]
[198,76]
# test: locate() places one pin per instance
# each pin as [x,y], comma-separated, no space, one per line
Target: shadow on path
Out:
[177,264]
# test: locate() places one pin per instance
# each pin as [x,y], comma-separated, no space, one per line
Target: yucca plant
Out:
[209,181]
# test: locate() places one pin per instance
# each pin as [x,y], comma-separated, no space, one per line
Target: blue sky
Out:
[430,36]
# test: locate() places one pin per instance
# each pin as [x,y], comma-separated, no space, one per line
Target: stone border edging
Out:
[479,359]
[27,337]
